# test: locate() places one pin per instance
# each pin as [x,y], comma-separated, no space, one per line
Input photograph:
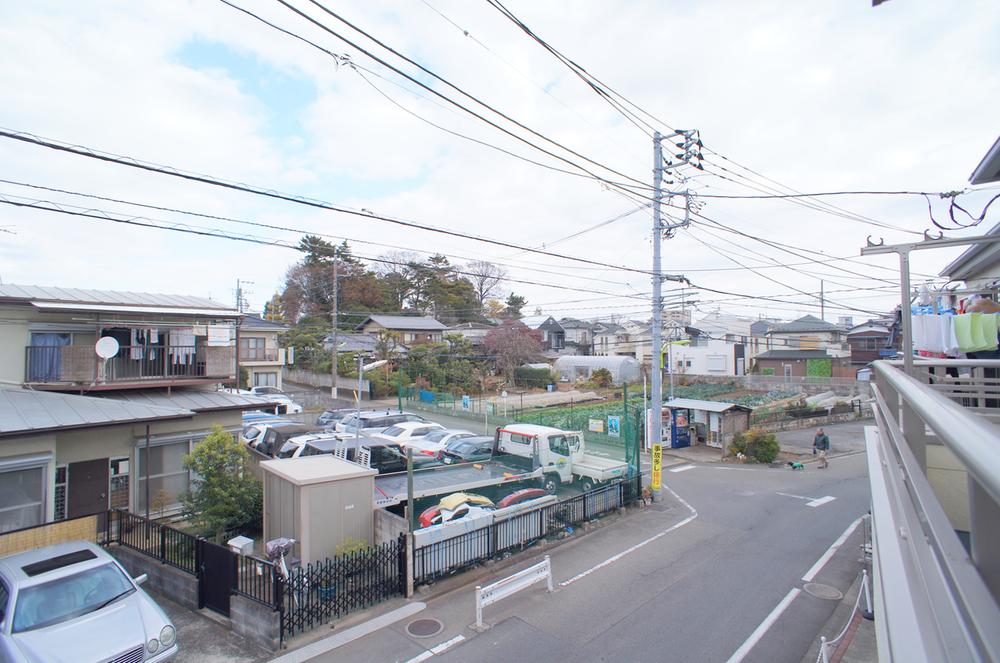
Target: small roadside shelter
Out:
[713,423]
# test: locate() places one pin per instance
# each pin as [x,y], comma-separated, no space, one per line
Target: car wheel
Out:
[550,483]
[587,485]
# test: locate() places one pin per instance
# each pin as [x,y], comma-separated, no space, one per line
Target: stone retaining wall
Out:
[814,422]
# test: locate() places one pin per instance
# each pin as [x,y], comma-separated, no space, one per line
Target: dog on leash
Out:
[795,465]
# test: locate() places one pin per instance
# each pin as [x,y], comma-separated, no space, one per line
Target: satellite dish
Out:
[106,348]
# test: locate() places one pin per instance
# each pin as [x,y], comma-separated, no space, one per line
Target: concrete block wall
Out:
[388,526]
[260,624]
[177,585]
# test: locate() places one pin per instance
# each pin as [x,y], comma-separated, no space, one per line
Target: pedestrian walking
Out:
[821,445]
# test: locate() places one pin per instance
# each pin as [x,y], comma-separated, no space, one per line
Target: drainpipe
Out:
[147,471]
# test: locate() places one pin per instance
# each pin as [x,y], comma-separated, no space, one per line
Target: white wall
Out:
[716,358]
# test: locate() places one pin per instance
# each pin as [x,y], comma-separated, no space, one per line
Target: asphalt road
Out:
[671,582]
[844,438]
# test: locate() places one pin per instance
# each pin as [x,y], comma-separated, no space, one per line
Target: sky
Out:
[811,97]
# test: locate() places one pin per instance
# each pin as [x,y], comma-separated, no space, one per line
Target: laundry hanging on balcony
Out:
[950,335]
[182,349]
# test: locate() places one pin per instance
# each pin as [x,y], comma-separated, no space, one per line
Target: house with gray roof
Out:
[260,353]
[50,339]
[66,455]
[809,333]
[412,329]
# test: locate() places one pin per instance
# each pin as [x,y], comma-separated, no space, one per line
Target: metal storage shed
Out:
[319,501]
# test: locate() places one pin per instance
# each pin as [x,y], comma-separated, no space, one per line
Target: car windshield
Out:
[288,450]
[464,448]
[66,598]
[393,431]
[436,436]
[251,432]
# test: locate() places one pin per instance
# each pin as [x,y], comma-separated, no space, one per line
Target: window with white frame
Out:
[23,492]
[168,478]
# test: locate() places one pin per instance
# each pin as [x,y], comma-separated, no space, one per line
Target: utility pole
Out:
[334,319]
[822,302]
[690,147]
[656,425]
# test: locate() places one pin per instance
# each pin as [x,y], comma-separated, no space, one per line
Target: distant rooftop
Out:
[421,323]
[197,400]
[253,323]
[807,323]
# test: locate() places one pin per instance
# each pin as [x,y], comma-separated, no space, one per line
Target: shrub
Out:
[602,377]
[757,445]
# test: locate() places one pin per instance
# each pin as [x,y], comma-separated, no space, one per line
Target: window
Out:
[420,432]
[517,438]
[393,431]
[559,445]
[22,497]
[168,477]
[252,349]
[118,483]
[269,379]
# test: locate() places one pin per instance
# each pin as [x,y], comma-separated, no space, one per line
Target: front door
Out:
[87,488]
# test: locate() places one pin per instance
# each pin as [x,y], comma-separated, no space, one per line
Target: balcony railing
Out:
[80,364]
[934,467]
[262,354]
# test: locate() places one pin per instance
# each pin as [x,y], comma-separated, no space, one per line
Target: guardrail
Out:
[501,589]
[937,599]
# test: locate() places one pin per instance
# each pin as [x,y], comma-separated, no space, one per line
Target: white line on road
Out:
[820,501]
[759,632]
[798,497]
[821,562]
[448,644]
[615,558]
[682,468]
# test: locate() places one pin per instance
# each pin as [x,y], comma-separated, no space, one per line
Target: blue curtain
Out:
[44,356]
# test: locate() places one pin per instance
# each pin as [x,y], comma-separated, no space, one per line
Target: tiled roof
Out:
[421,323]
[807,323]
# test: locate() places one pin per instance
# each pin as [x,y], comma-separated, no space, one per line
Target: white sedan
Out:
[408,433]
[435,441]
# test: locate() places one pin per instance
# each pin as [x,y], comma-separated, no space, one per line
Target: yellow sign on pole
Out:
[657,465]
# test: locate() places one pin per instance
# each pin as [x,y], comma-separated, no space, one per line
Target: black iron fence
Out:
[520,530]
[322,591]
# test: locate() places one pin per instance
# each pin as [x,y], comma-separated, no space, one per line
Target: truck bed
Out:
[599,468]
[391,488]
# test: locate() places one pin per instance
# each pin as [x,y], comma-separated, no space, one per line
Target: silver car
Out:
[74,603]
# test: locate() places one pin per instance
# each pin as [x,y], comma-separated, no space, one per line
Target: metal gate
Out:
[216,576]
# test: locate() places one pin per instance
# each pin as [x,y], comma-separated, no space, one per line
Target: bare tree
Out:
[513,343]
[486,277]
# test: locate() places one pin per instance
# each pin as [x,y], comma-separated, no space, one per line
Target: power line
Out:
[205,179]
[826,193]
[102,215]
[448,99]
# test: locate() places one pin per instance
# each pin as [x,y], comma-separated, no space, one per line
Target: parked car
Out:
[435,441]
[293,447]
[252,431]
[75,602]
[375,421]
[407,433]
[267,391]
[523,495]
[271,439]
[454,507]
[467,450]
[383,455]
[329,418]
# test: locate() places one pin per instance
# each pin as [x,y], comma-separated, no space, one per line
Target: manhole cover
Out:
[822,591]
[424,628]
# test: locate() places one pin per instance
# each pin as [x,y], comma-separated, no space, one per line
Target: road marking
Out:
[768,622]
[439,649]
[330,643]
[812,501]
[798,497]
[615,558]
[448,644]
[821,562]
[682,468]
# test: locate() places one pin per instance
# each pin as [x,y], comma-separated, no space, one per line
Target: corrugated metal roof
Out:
[708,406]
[197,400]
[83,296]
[25,412]
[423,323]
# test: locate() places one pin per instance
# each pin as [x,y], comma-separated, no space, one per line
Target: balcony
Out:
[62,366]
[934,467]
[262,356]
